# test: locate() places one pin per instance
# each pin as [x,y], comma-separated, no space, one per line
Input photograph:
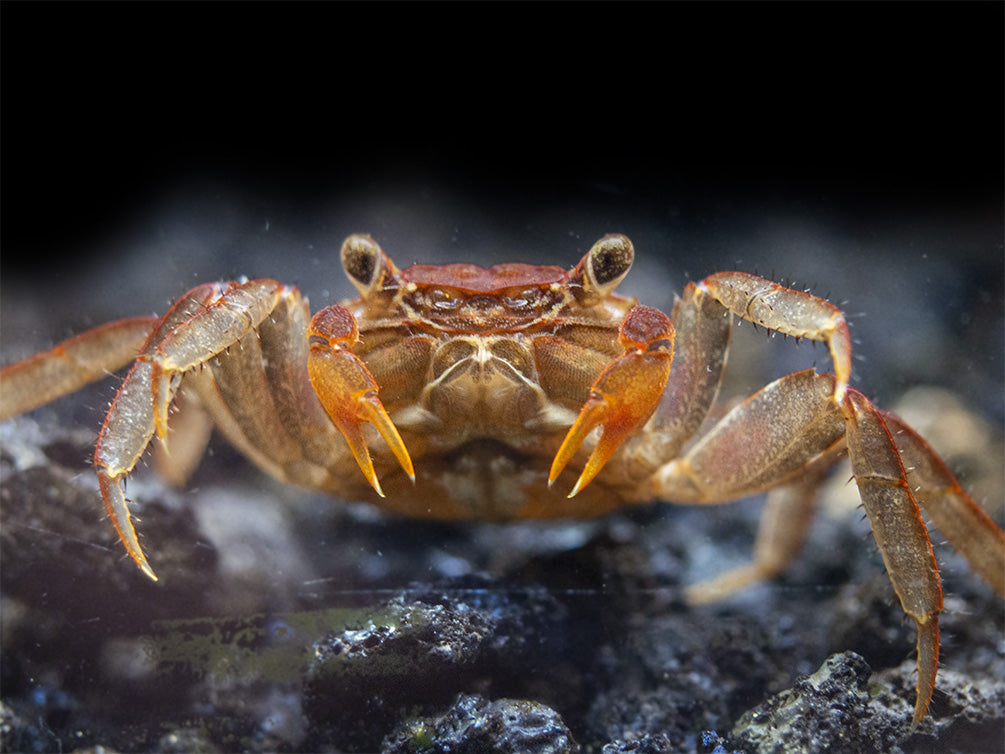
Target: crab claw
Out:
[348,392]
[625,394]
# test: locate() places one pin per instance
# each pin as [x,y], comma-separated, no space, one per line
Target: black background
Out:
[873,107]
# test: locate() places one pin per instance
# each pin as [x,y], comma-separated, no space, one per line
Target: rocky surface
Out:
[289,622]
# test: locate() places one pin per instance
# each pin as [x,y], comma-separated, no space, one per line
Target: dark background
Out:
[873,108]
[852,149]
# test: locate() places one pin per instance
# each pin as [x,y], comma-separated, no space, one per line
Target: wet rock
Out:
[710,742]
[819,713]
[675,674]
[657,744]
[842,708]
[421,649]
[967,711]
[474,725]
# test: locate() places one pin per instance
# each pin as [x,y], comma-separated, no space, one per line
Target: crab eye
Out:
[363,262]
[608,262]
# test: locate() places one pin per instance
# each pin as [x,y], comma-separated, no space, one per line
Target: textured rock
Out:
[473,725]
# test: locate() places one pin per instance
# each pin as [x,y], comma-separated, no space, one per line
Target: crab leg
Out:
[899,531]
[787,434]
[211,330]
[702,322]
[789,428]
[884,484]
[625,394]
[758,445]
[348,391]
[793,426]
[199,326]
[785,521]
[70,365]
[787,311]
[702,336]
[968,528]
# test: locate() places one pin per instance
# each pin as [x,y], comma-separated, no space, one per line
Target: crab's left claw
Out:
[348,392]
[625,394]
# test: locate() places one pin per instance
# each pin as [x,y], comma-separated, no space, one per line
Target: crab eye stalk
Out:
[608,262]
[602,269]
[364,263]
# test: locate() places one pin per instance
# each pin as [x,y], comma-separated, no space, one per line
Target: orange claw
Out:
[348,392]
[625,394]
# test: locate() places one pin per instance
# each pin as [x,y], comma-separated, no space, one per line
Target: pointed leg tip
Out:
[147,570]
[928,664]
[920,710]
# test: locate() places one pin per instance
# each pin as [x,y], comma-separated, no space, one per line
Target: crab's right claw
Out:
[625,394]
[348,392]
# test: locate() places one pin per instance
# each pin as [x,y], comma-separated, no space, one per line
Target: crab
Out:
[519,391]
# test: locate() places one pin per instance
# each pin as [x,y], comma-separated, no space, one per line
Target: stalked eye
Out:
[608,262]
[363,262]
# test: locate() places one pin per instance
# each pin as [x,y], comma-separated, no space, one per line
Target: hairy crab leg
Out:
[758,445]
[968,528]
[348,391]
[625,394]
[882,480]
[69,366]
[209,331]
[899,531]
[795,313]
[788,428]
[701,319]
[200,325]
